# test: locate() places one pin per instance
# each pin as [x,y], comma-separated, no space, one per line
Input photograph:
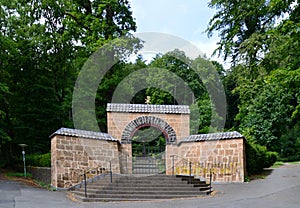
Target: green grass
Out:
[280,163]
[44,185]
[28,175]
[277,164]
[295,162]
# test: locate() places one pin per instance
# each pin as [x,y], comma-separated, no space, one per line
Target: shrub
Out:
[258,158]
[39,160]
[270,159]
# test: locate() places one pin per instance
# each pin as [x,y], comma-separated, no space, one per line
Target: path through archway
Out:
[123,120]
[148,151]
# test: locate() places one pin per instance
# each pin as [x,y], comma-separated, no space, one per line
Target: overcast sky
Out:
[187,19]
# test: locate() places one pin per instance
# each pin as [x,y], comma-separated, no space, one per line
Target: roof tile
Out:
[84,134]
[212,136]
[142,108]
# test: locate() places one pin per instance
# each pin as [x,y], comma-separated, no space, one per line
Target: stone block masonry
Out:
[224,157]
[72,154]
[74,151]
[167,118]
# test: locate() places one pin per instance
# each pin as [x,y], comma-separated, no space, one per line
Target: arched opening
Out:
[164,133]
[148,141]
[143,121]
[148,150]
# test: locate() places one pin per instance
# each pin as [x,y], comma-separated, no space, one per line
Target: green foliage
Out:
[148,141]
[201,88]
[271,158]
[266,117]
[43,45]
[243,26]
[258,158]
[277,164]
[39,160]
[28,175]
[290,145]
[262,87]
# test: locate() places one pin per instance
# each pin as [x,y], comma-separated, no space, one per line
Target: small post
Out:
[210,179]
[190,172]
[127,164]
[110,170]
[85,192]
[149,161]
[23,154]
[173,168]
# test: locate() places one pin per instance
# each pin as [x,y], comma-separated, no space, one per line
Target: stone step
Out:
[191,179]
[100,197]
[150,187]
[145,181]
[181,188]
[145,185]
[146,198]
[83,199]
[137,192]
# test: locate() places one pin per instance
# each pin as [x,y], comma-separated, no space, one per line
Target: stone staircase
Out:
[140,188]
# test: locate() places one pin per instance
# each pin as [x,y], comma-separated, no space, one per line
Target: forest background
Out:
[45,43]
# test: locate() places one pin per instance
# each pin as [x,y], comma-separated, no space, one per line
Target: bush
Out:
[293,158]
[39,160]
[271,158]
[258,158]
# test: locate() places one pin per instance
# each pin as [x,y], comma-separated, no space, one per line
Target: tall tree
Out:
[243,26]
[43,46]
[262,38]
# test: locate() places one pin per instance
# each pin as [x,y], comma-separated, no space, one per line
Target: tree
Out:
[262,39]
[43,47]
[188,82]
[4,124]
[243,27]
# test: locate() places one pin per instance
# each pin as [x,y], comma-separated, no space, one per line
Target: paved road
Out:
[279,189]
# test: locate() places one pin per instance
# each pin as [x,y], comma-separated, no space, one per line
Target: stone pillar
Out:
[126,158]
[171,150]
[54,160]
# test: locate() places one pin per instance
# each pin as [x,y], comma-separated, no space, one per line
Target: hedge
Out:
[39,160]
[258,158]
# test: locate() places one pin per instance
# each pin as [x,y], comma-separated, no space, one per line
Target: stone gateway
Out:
[76,151]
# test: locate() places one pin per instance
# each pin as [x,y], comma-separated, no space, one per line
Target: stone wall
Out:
[117,122]
[71,156]
[224,158]
[42,174]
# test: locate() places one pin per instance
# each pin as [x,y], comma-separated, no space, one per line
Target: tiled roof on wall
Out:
[84,134]
[146,108]
[212,136]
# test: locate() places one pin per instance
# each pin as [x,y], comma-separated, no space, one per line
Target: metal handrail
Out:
[211,172]
[190,166]
[93,169]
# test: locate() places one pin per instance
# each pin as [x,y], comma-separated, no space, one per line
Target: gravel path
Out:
[280,189]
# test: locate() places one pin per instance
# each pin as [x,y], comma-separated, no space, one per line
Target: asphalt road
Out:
[280,189]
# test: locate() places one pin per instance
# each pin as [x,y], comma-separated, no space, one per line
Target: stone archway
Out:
[123,120]
[172,120]
[163,126]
